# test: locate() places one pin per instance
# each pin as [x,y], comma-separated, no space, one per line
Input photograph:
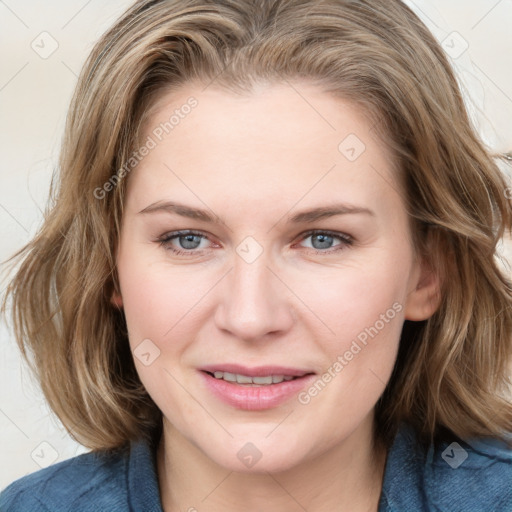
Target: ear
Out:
[116,299]
[425,295]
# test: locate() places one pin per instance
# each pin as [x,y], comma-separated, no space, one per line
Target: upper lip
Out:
[257,371]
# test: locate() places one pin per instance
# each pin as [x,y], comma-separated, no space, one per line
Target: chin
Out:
[257,456]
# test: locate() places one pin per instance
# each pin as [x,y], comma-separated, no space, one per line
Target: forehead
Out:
[278,142]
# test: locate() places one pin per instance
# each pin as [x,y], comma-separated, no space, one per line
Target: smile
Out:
[254,393]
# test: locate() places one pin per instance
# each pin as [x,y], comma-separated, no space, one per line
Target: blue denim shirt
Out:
[457,476]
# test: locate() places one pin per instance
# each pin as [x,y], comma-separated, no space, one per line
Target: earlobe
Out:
[116,299]
[424,300]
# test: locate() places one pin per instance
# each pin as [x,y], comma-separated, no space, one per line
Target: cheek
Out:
[362,304]
[357,297]
[161,308]
[367,320]
[364,348]
[158,301]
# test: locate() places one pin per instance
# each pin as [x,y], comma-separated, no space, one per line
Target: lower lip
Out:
[255,398]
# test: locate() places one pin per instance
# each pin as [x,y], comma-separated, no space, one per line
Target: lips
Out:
[253,396]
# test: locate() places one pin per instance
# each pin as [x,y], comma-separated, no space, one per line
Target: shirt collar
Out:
[143,489]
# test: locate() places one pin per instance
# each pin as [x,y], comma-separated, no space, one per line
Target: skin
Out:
[254,161]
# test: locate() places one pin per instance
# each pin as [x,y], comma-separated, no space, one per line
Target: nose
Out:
[254,302]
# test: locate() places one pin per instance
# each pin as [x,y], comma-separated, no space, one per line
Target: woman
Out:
[268,278]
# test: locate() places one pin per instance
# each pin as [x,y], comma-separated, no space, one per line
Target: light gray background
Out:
[34,95]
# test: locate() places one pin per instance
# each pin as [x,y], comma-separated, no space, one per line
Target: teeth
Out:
[246,380]
[242,379]
[267,380]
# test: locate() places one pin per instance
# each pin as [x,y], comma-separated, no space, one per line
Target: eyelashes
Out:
[325,235]
[188,236]
[190,241]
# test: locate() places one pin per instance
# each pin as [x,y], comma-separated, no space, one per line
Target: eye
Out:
[183,242]
[324,241]
[188,242]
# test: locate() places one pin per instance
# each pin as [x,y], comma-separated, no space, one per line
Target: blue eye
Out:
[187,240]
[321,240]
[188,243]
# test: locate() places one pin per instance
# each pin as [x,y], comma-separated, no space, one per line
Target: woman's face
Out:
[295,261]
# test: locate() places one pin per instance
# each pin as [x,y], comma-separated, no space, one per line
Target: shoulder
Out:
[92,481]
[471,474]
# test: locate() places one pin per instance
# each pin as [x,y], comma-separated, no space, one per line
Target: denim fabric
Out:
[124,481]
[457,476]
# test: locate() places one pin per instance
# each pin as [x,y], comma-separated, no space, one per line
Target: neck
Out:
[345,477]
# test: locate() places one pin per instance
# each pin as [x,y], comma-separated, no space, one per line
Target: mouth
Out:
[258,388]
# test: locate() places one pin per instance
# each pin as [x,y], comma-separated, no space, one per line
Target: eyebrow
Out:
[306,216]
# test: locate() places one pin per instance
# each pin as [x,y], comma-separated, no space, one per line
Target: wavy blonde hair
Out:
[452,371]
